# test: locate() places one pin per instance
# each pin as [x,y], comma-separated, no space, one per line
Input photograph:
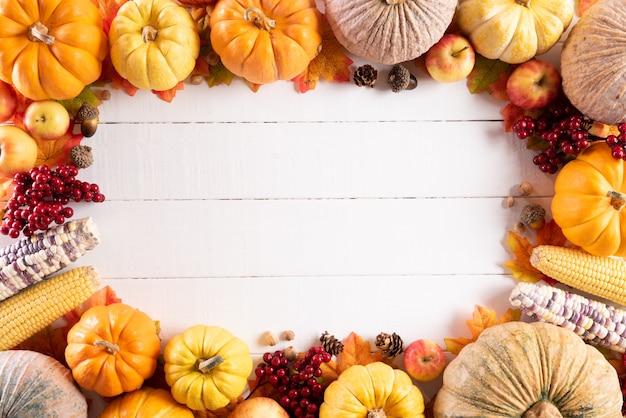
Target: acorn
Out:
[87,116]
[534,216]
[400,79]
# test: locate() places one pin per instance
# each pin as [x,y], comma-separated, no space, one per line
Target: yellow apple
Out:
[259,407]
[46,120]
[18,151]
[8,101]
[533,84]
[451,59]
[424,360]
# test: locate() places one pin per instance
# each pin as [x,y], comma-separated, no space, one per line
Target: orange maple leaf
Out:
[355,351]
[513,113]
[168,95]
[522,248]
[332,64]
[57,151]
[482,318]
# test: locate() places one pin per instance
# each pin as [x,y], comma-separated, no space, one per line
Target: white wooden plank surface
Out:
[341,209]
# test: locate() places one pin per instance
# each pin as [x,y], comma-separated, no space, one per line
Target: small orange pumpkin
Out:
[112,349]
[265,41]
[589,201]
[146,402]
[51,48]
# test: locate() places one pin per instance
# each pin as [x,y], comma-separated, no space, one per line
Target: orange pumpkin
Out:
[51,48]
[146,402]
[589,200]
[265,41]
[112,349]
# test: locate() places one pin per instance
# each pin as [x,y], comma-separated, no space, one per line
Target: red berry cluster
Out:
[298,382]
[40,197]
[617,143]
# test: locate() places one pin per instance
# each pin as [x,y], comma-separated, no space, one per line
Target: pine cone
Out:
[365,75]
[331,344]
[390,345]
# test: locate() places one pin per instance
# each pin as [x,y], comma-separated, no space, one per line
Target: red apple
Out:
[424,360]
[46,120]
[18,151]
[8,101]
[259,407]
[533,84]
[451,59]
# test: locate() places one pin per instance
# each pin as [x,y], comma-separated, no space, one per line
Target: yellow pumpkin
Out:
[514,31]
[589,199]
[537,369]
[154,43]
[146,402]
[50,48]
[206,367]
[112,349]
[266,40]
[373,390]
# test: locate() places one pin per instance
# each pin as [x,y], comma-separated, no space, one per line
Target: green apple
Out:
[18,151]
[424,360]
[46,120]
[8,101]
[533,84]
[451,59]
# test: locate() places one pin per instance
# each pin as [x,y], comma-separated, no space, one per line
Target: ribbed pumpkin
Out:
[389,31]
[33,385]
[537,369]
[154,43]
[146,402]
[112,349]
[375,390]
[593,62]
[266,40]
[589,201]
[207,367]
[514,31]
[51,48]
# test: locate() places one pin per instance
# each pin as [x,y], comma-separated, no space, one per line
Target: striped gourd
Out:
[30,260]
[600,276]
[34,308]
[596,322]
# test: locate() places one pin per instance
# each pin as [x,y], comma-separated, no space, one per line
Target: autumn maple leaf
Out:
[584,5]
[355,351]
[482,318]
[332,64]
[487,76]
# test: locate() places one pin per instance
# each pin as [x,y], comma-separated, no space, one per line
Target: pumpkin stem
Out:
[148,33]
[257,17]
[542,409]
[110,348]
[376,413]
[38,32]
[392,2]
[618,200]
[206,365]
[525,3]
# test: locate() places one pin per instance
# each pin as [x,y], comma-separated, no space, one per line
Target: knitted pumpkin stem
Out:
[207,365]
[38,32]
[376,413]
[618,199]
[543,409]
[109,347]
[256,16]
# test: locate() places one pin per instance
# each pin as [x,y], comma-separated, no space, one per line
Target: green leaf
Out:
[87,95]
[486,72]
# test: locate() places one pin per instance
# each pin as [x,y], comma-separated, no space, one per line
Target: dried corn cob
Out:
[30,260]
[33,309]
[604,277]
[596,322]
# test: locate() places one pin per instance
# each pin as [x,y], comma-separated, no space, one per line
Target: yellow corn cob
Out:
[30,260]
[596,322]
[33,309]
[604,277]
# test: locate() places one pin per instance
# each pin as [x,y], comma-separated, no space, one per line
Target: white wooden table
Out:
[342,209]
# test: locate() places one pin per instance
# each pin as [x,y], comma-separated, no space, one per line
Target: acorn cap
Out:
[86,112]
[81,156]
[533,214]
[400,78]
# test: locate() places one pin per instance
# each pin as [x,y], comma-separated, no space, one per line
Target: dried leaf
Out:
[513,113]
[85,96]
[498,88]
[332,64]
[57,151]
[168,95]
[485,73]
[355,351]
[482,318]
